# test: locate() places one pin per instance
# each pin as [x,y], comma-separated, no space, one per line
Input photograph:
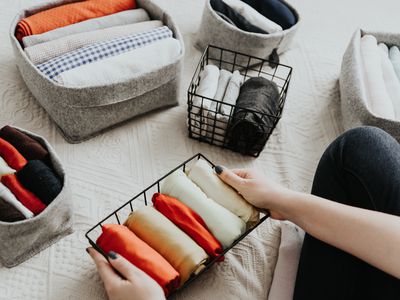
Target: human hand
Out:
[256,189]
[136,284]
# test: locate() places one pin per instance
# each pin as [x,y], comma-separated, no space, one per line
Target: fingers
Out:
[229,177]
[106,272]
[124,267]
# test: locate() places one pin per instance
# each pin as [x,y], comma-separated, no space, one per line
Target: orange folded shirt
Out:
[11,155]
[27,198]
[120,239]
[68,14]
[188,221]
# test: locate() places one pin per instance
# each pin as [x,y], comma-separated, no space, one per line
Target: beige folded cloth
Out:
[167,239]
[203,175]
[5,168]
[42,52]
[231,93]
[224,225]
[121,18]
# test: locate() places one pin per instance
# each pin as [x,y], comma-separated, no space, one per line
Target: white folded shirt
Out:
[231,93]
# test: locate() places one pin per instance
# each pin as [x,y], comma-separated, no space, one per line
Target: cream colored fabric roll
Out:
[203,175]
[9,197]
[394,55]
[167,239]
[42,52]
[207,88]
[231,93]
[224,225]
[223,80]
[5,168]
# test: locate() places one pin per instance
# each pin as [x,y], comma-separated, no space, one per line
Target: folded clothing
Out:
[231,93]
[37,177]
[188,221]
[250,130]
[27,146]
[11,155]
[207,88]
[4,168]
[120,239]
[223,80]
[394,55]
[45,51]
[122,67]
[275,10]
[69,14]
[9,197]
[101,50]
[8,213]
[253,16]
[122,18]
[224,225]
[26,197]
[222,8]
[172,243]
[203,175]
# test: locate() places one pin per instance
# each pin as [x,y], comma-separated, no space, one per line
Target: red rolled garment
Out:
[120,239]
[27,198]
[188,221]
[11,155]
[68,14]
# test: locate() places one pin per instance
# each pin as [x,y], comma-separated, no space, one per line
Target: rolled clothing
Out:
[203,175]
[122,18]
[253,16]
[11,155]
[101,50]
[188,221]
[9,197]
[27,146]
[223,80]
[120,239]
[240,22]
[394,55]
[224,225]
[231,94]
[45,51]
[249,130]
[68,14]
[5,168]
[37,177]
[275,10]
[26,197]
[8,213]
[122,67]
[207,88]
[377,97]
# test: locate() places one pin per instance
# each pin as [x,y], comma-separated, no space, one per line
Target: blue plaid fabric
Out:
[97,51]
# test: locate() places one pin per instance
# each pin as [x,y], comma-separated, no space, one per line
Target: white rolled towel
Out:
[9,197]
[224,225]
[121,18]
[394,55]
[231,93]
[207,88]
[122,67]
[5,168]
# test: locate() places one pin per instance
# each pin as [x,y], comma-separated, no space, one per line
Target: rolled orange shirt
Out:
[68,14]
[120,239]
[11,155]
[26,197]
[188,221]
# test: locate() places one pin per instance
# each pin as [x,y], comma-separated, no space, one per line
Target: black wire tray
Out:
[140,200]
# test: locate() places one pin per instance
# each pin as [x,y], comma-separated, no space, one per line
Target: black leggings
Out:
[360,168]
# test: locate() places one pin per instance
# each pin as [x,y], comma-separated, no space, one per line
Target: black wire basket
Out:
[119,215]
[216,131]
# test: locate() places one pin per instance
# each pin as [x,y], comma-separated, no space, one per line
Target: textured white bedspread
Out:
[107,170]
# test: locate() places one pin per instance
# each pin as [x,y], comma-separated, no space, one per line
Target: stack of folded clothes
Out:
[381,77]
[258,16]
[227,111]
[28,182]
[96,42]
[194,218]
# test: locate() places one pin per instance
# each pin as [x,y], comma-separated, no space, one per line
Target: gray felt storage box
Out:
[23,239]
[214,30]
[81,113]
[354,109]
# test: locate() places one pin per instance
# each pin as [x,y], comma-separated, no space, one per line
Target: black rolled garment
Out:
[275,10]
[8,213]
[249,130]
[223,9]
[37,177]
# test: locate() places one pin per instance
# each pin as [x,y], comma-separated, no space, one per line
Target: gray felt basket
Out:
[81,113]
[23,239]
[352,93]
[214,30]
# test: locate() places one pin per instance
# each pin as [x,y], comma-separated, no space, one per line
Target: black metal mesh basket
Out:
[213,125]
[121,214]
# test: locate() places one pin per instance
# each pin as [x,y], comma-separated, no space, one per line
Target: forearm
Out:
[372,236]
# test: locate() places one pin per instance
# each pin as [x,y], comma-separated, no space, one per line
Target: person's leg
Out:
[360,168]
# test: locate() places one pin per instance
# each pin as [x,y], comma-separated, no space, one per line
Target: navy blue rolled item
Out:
[275,10]
[237,19]
[37,177]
